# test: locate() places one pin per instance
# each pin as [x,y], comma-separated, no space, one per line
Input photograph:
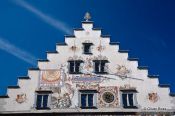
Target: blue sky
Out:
[31,27]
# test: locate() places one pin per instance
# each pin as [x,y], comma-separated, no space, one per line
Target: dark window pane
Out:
[45,100]
[102,67]
[130,99]
[90,100]
[97,66]
[124,99]
[77,67]
[71,67]
[86,48]
[83,100]
[39,101]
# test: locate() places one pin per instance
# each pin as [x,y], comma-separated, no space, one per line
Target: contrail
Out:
[47,19]
[15,51]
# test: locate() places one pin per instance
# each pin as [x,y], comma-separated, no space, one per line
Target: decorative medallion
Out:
[20,98]
[108,96]
[153,97]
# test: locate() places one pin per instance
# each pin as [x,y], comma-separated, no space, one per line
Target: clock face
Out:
[108,97]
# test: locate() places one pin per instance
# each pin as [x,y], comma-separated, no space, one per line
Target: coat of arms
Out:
[153,97]
[20,98]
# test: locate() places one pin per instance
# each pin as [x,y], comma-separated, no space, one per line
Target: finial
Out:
[87,16]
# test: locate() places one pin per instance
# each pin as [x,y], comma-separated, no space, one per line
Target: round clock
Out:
[108,97]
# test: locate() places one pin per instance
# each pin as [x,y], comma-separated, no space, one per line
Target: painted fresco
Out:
[61,97]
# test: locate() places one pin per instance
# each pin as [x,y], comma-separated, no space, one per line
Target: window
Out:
[100,66]
[129,99]
[42,98]
[87,48]
[42,101]
[74,66]
[87,98]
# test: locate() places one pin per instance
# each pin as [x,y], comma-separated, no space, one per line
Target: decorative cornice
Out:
[104,36]
[87,22]
[43,60]
[133,59]
[23,77]
[142,67]
[51,52]
[153,76]
[164,85]
[70,36]
[97,29]
[172,94]
[123,51]
[13,87]
[81,29]
[78,29]
[114,43]
[4,96]
[61,44]
[43,91]
[34,68]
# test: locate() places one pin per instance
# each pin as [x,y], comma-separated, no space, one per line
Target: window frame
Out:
[89,50]
[87,93]
[74,67]
[127,92]
[42,93]
[100,68]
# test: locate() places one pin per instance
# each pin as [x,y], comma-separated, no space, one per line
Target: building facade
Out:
[88,74]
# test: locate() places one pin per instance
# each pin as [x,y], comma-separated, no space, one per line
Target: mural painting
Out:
[61,97]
